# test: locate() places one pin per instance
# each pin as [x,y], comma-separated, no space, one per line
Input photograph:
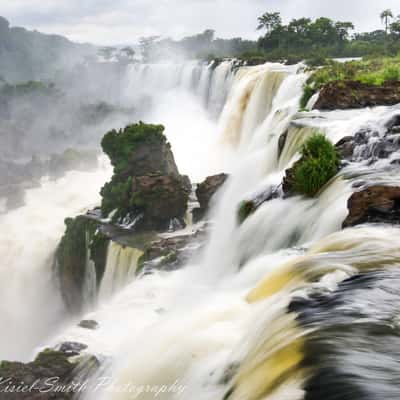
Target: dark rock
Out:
[72,349]
[375,204]
[205,191]
[345,147]
[50,364]
[352,94]
[159,199]
[248,207]
[171,253]
[82,237]
[282,142]
[88,324]
[288,180]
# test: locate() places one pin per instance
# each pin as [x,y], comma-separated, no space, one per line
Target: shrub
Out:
[318,164]
[118,145]
[316,61]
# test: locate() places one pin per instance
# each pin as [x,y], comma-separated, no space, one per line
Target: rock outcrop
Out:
[352,94]
[146,195]
[146,191]
[375,204]
[82,243]
[52,375]
[205,191]
[172,252]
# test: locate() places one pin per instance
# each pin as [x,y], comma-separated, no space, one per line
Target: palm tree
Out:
[269,21]
[386,15]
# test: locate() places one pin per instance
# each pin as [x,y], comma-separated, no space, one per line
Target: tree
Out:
[395,28]
[342,29]
[269,21]
[125,55]
[386,15]
[146,44]
[107,52]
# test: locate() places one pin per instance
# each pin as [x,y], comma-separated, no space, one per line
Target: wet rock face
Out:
[371,145]
[152,158]
[351,94]
[81,239]
[205,191]
[159,199]
[375,204]
[173,252]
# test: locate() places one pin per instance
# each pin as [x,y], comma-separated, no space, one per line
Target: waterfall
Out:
[29,300]
[121,267]
[208,83]
[249,318]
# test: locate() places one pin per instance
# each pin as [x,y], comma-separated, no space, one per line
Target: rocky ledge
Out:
[54,374]
[205,192]
[374,204]
[341,95]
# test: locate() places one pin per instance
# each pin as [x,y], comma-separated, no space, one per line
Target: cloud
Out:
[124,21]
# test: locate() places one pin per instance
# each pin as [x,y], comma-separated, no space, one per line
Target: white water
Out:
[230,307]
[30,307]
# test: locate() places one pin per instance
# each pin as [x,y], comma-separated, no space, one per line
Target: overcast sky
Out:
[124,21]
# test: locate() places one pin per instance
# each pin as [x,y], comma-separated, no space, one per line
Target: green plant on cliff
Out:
[118,145]
[318,164]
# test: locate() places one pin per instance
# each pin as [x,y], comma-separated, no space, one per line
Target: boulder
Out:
[88,324]
[205,191]
[374,204]
[352,94]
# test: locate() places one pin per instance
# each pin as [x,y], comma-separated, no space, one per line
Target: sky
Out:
[106,22]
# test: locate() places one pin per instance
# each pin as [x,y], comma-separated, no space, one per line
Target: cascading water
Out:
[121,266]
[250,319]
[29,301]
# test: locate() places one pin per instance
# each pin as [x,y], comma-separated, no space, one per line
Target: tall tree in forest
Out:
[269,21]
[386,15]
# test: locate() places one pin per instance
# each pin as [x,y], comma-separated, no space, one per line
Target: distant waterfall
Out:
[207,82]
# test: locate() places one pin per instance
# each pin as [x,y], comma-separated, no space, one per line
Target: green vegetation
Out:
[116,194]
[26,55]
[118,145]
[81,238]
[246,208]
[324,38]
[371,71]
[318,164]
[36,88]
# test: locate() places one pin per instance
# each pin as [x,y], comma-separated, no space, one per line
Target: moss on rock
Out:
[82,241]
